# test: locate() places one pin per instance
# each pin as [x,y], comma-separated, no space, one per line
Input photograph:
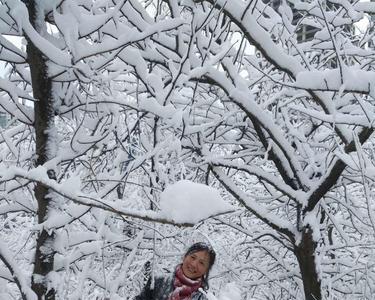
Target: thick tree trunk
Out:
[305,253]
[44,120]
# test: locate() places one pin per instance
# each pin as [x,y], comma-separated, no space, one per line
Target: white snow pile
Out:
[189,202]
[230,292]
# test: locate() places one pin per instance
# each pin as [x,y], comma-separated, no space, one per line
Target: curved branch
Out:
[268,218]
[19,279]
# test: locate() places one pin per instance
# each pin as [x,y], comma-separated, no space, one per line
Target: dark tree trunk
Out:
[305,253]
[44,120]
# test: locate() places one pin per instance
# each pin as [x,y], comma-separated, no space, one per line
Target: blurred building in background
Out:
[4,119]
[305,32]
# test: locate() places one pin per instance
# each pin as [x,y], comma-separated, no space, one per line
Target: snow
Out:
[11,53]
[17,272]
[348,79]
[130,35]
[189,202]
[229,292]
[49,50]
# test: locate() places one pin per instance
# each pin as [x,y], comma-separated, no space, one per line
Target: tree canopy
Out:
[112,102]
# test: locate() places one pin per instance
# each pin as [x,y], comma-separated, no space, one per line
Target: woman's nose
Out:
[194,263]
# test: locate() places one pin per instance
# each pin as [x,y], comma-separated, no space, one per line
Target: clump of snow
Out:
[189,202]
[73,184]
[229,292]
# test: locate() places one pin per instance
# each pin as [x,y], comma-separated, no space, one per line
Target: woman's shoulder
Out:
[162,287]
[157,288]
[163,281]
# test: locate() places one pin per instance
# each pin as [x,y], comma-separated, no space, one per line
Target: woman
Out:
[188,278]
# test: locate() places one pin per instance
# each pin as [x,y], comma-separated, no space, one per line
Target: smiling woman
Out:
[189,277]
[196,264]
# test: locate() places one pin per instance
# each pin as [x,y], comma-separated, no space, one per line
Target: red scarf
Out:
[183,287]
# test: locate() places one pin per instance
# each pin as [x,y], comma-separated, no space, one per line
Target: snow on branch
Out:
[11,53]
[167,215]
[19,13]
[279,185]
[271,219]
[130,36]
[352,79]
[242,99]
[20,278]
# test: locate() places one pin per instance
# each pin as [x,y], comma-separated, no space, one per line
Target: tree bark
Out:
[44,121]
[305,252]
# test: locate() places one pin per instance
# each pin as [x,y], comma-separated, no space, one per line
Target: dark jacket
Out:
[163,286]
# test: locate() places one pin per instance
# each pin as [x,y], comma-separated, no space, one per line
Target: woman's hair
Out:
[201,246]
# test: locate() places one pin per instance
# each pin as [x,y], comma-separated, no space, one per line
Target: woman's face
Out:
[196,264]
